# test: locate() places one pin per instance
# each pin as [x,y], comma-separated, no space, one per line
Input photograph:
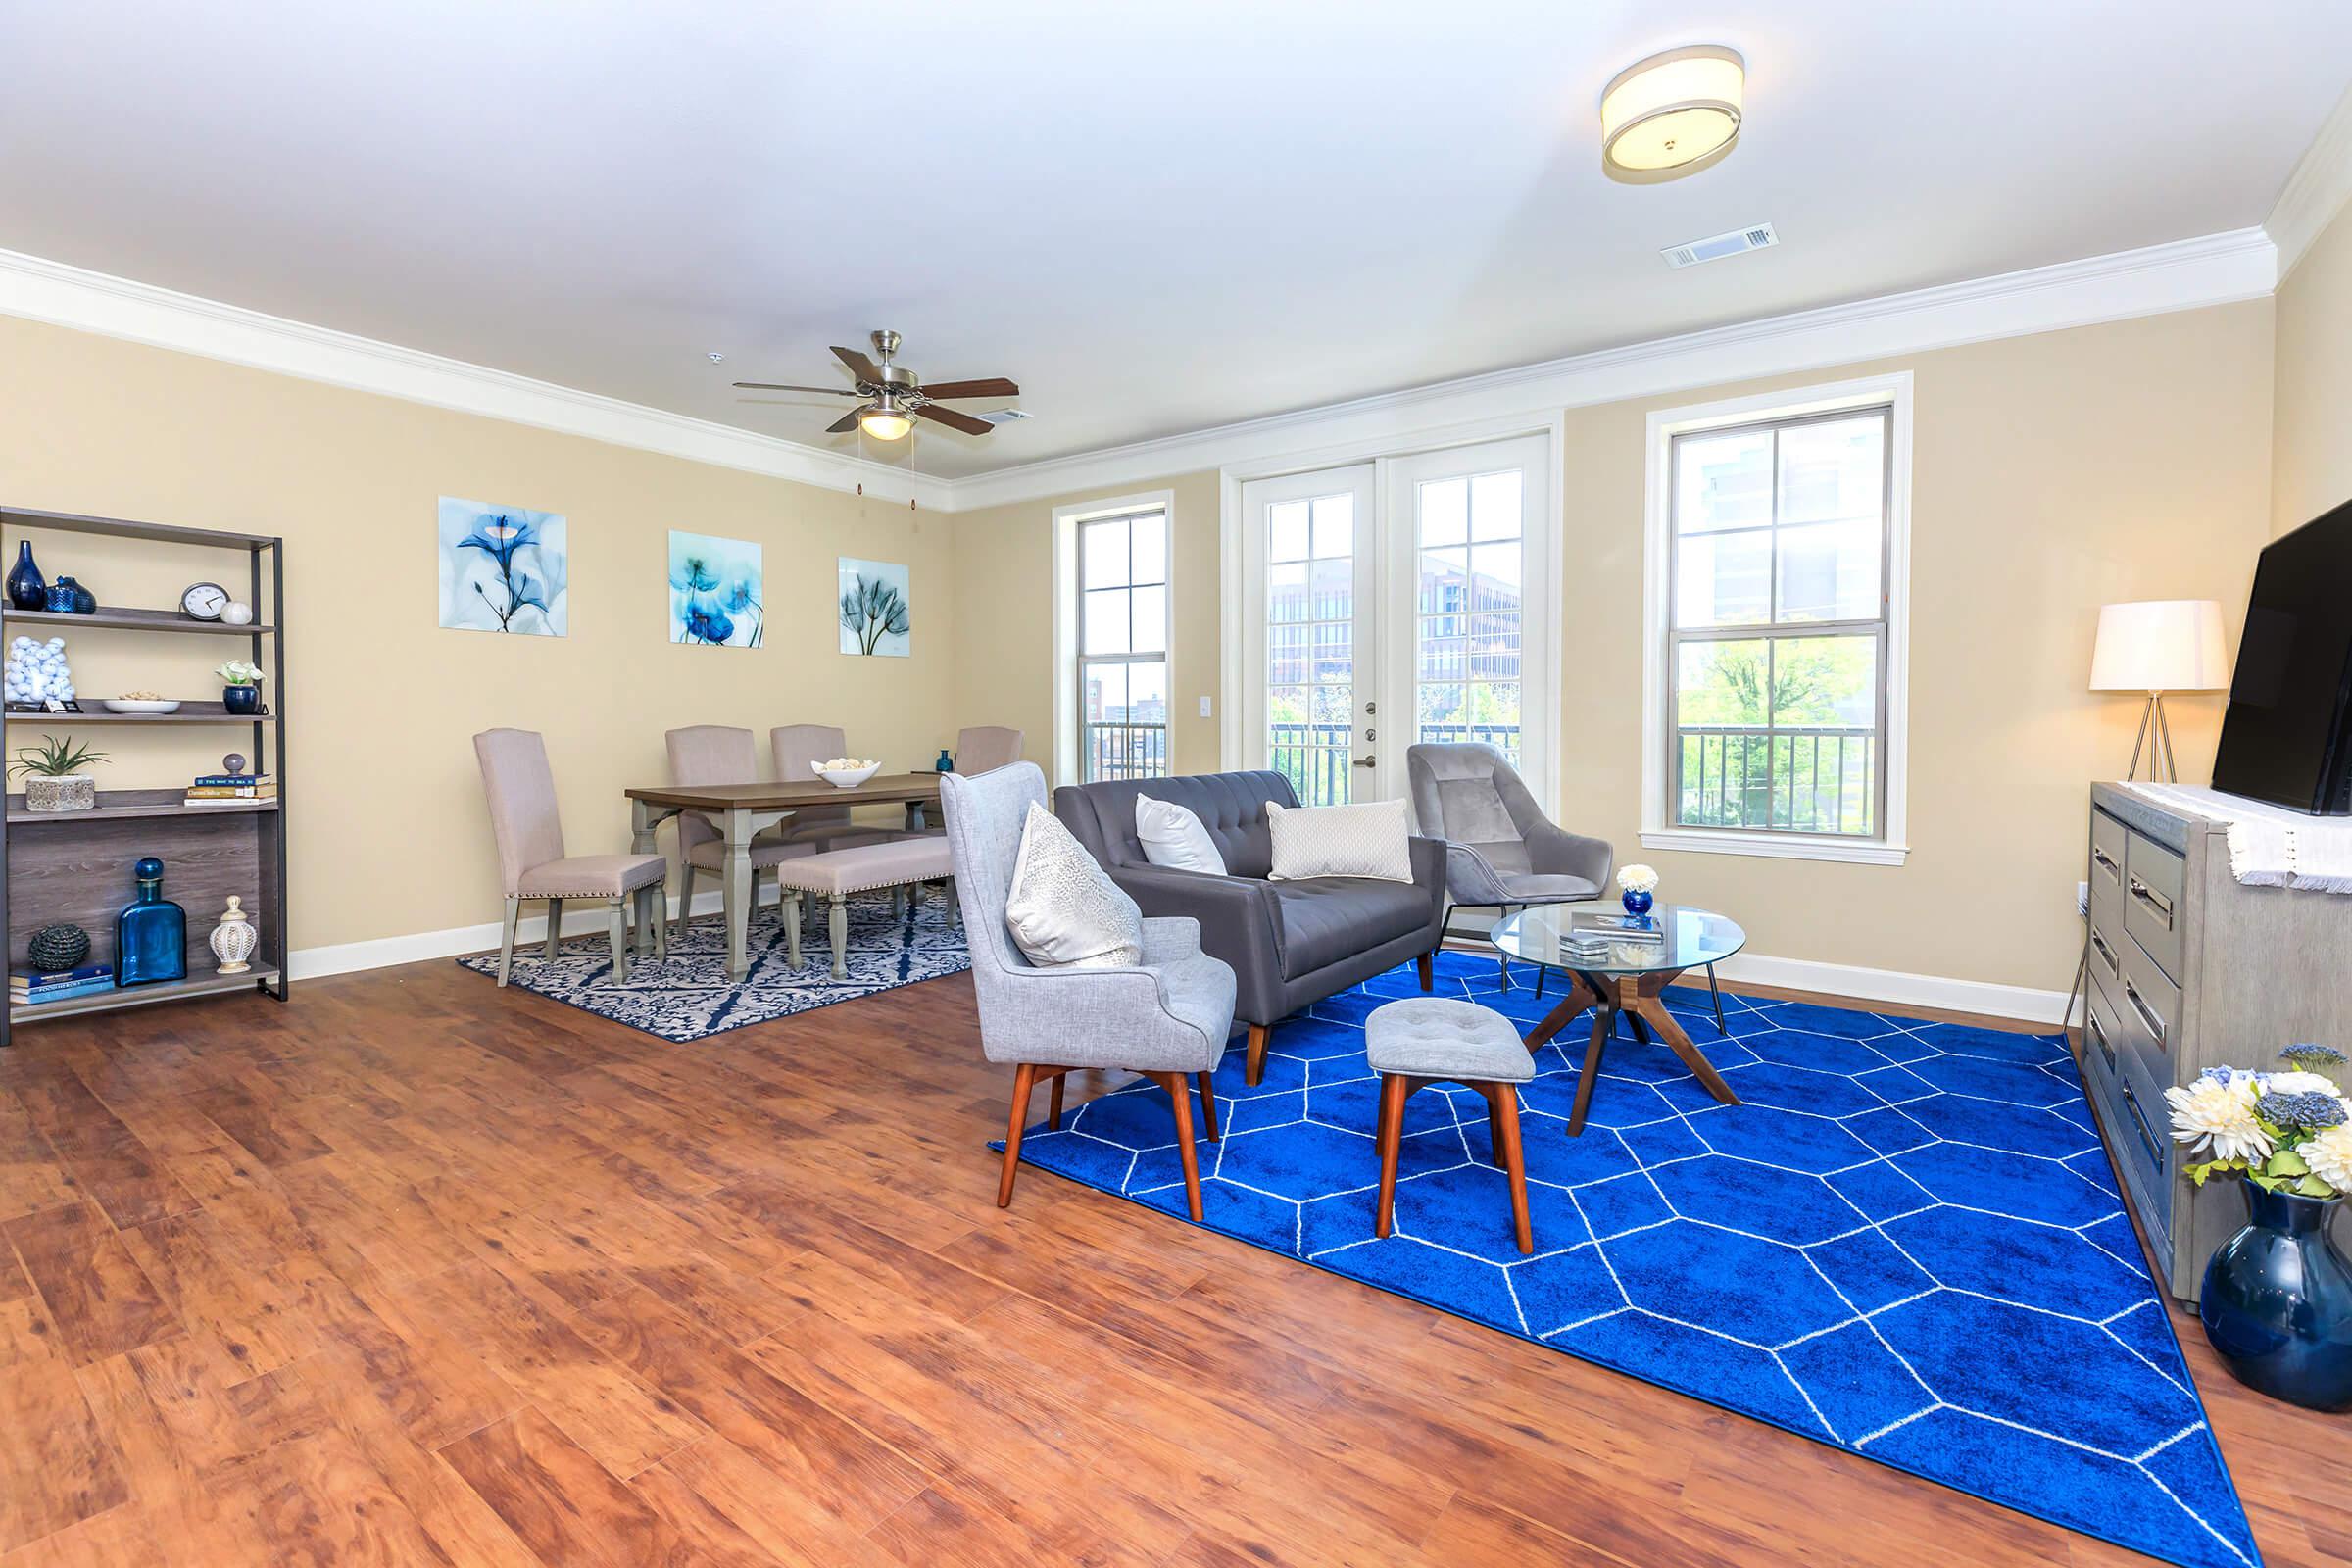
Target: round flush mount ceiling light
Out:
[885,421]
[1673,113]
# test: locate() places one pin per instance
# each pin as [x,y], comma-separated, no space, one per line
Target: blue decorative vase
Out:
[27,589]
[2277,1302]
[945,764]
[1637,902]
[59,599]
[80,600]
[241,698]
[151,934]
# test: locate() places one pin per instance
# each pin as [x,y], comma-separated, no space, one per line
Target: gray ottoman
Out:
[1425,1040]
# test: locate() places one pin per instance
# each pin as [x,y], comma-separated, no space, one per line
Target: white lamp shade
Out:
[2160,645]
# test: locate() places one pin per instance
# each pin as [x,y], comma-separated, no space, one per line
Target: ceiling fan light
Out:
[1673,113]
[884,422]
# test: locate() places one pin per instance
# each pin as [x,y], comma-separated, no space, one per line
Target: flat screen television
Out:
[2287,734]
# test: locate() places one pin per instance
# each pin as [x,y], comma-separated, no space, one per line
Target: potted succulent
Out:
[54,780]
[2277,1298]
[241,692]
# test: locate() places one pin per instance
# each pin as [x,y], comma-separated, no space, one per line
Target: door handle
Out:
[1364,761]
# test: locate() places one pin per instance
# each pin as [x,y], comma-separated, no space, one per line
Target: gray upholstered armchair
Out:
[1501,853]
[1166,1019]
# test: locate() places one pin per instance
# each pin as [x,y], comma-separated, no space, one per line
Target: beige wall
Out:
[388,832]
[2313,467]
[1005,586]
[2052,474]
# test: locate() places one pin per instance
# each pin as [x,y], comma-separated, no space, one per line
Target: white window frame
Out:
[1067,641]
[1658,829]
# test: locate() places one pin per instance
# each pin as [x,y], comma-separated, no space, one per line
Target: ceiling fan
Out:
[895,396]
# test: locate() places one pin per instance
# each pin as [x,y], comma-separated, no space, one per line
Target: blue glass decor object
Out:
[2277,1302]
[151,934]
[79,600]
[60,598]
[945,764]
[27,589]
[1637,902]
[241,698]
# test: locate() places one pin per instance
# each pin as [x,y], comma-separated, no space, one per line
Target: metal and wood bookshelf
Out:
[74,866]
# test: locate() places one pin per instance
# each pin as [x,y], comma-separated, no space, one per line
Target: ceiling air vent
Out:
[1715,247]
[1003,416]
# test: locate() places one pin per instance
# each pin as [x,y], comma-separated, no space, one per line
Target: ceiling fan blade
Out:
[845,423]
[954,421]
[995,386]
[864,369]
[778,386]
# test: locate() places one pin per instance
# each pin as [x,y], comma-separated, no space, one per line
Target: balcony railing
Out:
[1798,781]
[1120,750]
[1317,757]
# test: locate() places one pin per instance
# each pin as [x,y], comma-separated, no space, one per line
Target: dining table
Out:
[740,810]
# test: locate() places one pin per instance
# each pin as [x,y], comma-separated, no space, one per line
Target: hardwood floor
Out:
[413,1270]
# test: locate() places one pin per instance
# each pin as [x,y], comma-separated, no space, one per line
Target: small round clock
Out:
[203,601]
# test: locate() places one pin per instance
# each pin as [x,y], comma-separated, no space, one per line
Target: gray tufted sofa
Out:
[1290,943]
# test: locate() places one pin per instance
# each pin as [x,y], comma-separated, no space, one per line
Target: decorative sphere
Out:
[237,612]
[58,947]
[233,762]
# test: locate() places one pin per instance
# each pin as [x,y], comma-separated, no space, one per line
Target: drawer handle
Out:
[2140,1122]
[2105,861]
[2147,1014]
[2098,1037]
[2154,901]
[2106,954]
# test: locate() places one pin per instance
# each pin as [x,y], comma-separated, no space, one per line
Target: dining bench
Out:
[835,874]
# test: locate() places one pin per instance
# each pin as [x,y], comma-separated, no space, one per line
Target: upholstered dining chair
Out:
[532,865]
[717,753]
[797,747]
[1166,1018]
[985,748]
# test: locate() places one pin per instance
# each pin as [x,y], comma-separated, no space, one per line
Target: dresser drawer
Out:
[2107,945]
[2152,879]
[2103,1039]
[2137,1116]
[2107,836]
[2148,1006]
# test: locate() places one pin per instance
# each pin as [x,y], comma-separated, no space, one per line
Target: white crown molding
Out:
[2181,274]
[49,291]
[2316,190]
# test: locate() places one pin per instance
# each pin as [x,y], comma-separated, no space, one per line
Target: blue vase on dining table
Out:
[2277,1302]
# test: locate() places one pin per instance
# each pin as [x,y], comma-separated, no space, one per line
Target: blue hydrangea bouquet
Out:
[2288,1132]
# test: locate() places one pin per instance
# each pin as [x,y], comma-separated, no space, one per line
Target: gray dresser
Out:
[2192,969]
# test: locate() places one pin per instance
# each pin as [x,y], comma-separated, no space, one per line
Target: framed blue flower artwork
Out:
[876,608]
[716,595]
[504,569]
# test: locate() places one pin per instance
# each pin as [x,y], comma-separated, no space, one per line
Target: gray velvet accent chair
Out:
[718,753]
[532,865]
[1166,1018]
[1290,943]
[1501,853]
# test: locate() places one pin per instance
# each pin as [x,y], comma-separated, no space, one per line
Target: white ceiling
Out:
[1155,220]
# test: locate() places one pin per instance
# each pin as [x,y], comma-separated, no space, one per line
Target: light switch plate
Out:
[1205,713]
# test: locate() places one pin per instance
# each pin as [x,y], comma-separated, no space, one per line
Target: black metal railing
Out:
[1116,750]
[1317,758]
[1798,781]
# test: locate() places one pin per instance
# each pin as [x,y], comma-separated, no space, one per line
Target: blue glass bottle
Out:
[26,588]
[151,934]
[945,764]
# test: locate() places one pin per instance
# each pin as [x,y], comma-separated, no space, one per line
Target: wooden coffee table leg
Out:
[1644,1004]
[1605,1024]
[1579,996]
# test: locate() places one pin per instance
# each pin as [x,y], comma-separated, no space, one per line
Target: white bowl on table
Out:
[846,778]
[137,705]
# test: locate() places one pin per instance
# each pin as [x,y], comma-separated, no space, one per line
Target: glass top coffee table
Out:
[1621,977]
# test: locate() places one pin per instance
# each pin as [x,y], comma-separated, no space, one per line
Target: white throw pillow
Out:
[1063,909]
[1174,836]
[1369,840]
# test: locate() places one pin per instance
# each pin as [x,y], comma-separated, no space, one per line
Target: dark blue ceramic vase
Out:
[945,764]
[2277,1302]
[27,589]
[1637,902]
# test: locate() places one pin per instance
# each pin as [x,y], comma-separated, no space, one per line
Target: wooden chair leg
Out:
[1179,1095]
[1024,1079]
[1487,1093]
[1053,1107]
[506,944]
[1395,1088]
[1425,964]
[1505,1108]
[1208,1104]
[1255,1067]
[837,926]
[554,924]
[620,942]
[791,914]
[685,898]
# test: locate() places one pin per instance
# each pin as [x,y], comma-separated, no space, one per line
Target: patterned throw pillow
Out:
[1063,909]
[1369,840]
[1174,836]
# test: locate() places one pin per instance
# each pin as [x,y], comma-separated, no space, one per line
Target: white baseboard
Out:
[1754,968]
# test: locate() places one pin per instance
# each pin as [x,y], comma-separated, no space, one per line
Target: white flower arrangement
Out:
[237,673]
[1637,879]
[2283,1131]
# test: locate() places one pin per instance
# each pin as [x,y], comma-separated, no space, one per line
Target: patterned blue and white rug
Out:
[1906,1242]
[688,997]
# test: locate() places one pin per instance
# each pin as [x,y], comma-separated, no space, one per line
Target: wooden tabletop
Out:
[882,789]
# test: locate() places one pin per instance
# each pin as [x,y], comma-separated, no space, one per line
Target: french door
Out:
[1397,602]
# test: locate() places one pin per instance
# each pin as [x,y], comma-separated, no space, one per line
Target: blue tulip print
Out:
[715,590]
[504,569]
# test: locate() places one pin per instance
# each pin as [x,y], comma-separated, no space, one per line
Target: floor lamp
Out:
[2153,647]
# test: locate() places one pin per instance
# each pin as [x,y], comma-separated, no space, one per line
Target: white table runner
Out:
[2269,846]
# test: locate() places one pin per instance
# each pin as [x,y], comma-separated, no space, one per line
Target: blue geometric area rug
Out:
[1905,1242]
[688,996]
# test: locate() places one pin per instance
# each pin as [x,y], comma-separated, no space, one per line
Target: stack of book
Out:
[27,987]
[222,789]
[1599,935]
